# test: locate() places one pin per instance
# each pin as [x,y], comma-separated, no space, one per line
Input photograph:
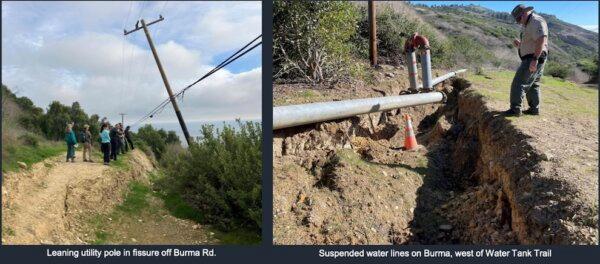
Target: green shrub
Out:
[29,139]
[556,69]
[311,39]
[590,67]
[220,175]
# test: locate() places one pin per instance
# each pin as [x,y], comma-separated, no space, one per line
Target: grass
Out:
[8,231]
[136,200]
[121,163]
[180,209]
[309,94]
[30,154]
[558,96]
[101,238]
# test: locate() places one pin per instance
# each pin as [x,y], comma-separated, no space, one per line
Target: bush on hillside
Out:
[558,70]
[590,67]
[311,39]
[29,139]
[220,175]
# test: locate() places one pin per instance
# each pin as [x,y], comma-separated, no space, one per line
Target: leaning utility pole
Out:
[372,33]
[162,74]
[122,118]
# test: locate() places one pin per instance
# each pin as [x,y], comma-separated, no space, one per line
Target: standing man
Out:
[128,138]
[114,142]
[533,50]
[87,143]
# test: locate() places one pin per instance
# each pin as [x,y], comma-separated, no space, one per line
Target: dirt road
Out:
[52,202]
[35,210]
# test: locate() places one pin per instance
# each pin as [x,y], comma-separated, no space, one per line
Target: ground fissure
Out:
[478,180]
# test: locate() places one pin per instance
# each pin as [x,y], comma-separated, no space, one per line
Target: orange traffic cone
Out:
[410,141]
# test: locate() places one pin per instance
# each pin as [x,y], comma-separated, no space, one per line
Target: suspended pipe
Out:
[296,115]
[444,77]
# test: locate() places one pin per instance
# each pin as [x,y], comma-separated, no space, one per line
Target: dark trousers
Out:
[123,145]
[105,147]
[526,84]
[114,149]
[128,140]
[70,151]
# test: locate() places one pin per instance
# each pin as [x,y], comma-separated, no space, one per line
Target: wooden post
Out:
[372,34]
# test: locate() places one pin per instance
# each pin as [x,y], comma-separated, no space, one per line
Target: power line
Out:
[123,57]
[218,67]
[221,65]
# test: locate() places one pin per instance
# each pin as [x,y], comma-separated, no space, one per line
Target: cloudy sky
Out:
[76,51]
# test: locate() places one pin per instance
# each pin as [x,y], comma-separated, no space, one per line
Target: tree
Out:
[157,140]
[172,138]
[55,121]
[94,123]
[78,117]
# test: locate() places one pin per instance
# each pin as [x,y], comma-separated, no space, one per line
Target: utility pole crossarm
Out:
[137,25]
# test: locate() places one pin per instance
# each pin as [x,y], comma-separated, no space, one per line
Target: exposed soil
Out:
[52,203]
[156,226]
[478,179]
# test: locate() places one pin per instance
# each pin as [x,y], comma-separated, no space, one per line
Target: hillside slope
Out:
[495,30]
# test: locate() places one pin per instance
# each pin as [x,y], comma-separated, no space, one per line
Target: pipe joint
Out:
[415,42]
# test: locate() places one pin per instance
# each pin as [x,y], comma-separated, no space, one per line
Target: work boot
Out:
[532,111]
[513,112]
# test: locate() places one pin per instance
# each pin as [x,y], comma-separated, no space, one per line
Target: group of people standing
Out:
[114,140]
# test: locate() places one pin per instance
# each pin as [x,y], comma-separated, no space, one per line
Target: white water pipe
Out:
[296,115]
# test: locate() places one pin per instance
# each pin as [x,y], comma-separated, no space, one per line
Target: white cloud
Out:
[78,53]
[593,28]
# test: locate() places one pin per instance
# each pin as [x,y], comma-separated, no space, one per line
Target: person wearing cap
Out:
[533,51]
[86,137]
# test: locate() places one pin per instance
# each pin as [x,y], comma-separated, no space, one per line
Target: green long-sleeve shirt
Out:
[70,138]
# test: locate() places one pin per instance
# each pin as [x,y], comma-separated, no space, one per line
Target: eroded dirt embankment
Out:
[49,203]
[478,181]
